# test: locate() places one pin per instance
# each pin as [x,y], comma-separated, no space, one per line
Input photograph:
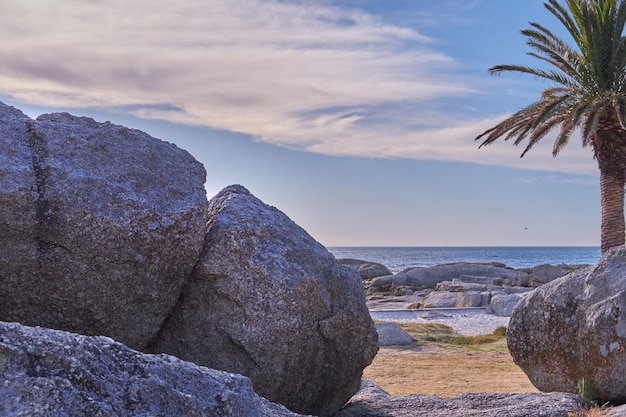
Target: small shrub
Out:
[500,331]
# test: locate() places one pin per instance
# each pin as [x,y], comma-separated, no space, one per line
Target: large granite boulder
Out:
[269,302]
[573,329]
[373,401]
[55,373]
[100,225]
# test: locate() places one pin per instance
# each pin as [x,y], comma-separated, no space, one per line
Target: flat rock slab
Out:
[372,401]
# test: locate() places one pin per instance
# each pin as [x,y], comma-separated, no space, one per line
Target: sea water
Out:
[399,258]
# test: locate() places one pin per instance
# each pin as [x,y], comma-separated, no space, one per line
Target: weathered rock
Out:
[366,269]
[469,299]
[503,304]
[269,302]
[100,225]
[440,299]
[457,285]
[372,401]
[574,328]
[428,277]
[521,278]
[379,284]
[542,274]
[616,411]
[56,373]
[390,334]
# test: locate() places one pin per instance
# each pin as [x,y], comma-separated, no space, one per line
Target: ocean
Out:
[399,258]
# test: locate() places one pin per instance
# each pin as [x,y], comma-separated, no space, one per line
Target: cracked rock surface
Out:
[100,225]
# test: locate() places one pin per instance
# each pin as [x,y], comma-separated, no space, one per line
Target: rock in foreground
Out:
[574,329]
[269,302]
[55,373]
[100,225]
[372,401]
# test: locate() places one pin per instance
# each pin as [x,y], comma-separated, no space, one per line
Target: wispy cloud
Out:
[593,181]
[304,75]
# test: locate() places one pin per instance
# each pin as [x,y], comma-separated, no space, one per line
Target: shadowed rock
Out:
[100,225]
[55,373]
[269,302]
[372,401]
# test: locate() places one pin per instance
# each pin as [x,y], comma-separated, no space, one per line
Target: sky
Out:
[356,118]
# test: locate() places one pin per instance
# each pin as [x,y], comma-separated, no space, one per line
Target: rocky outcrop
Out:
[459,285]
[100,225]
[390,334]
[55,373]
[372,401]
[429,277]
[269,302]
[574,329]
[367,270]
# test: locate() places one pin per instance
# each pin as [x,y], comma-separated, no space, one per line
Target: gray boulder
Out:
[502,304]
[390,334]
[366,269]
[379,284]
[55,373]
[269,302]
[100,225]
[440,299]
[372,401]
[542,274]
[574,328]
[429,277]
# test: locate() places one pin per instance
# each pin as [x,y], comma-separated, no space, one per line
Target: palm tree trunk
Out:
[610,151]
[612,198]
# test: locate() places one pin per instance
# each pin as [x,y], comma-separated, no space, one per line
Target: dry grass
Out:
[591,412]
[442,364]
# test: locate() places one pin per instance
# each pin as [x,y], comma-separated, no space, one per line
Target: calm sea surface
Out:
[399,258]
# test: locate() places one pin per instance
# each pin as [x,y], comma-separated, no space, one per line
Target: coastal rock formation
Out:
[367,270]
[429,277]
[459,285]
[100,225]
[573,329]
[269,302]
[373,401]
[56,373]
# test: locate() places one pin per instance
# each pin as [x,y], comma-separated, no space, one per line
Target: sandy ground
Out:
[447,371]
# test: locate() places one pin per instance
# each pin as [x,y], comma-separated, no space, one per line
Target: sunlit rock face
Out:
[574,329]
[100,225]
[269,302]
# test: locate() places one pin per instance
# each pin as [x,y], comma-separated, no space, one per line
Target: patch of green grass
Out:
[440,333]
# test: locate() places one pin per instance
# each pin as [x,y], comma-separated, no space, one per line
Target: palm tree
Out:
[587,95]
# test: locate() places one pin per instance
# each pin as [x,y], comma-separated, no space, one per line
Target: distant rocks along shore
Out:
[493,286]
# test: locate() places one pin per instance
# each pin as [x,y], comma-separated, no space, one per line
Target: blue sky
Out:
[356,118]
